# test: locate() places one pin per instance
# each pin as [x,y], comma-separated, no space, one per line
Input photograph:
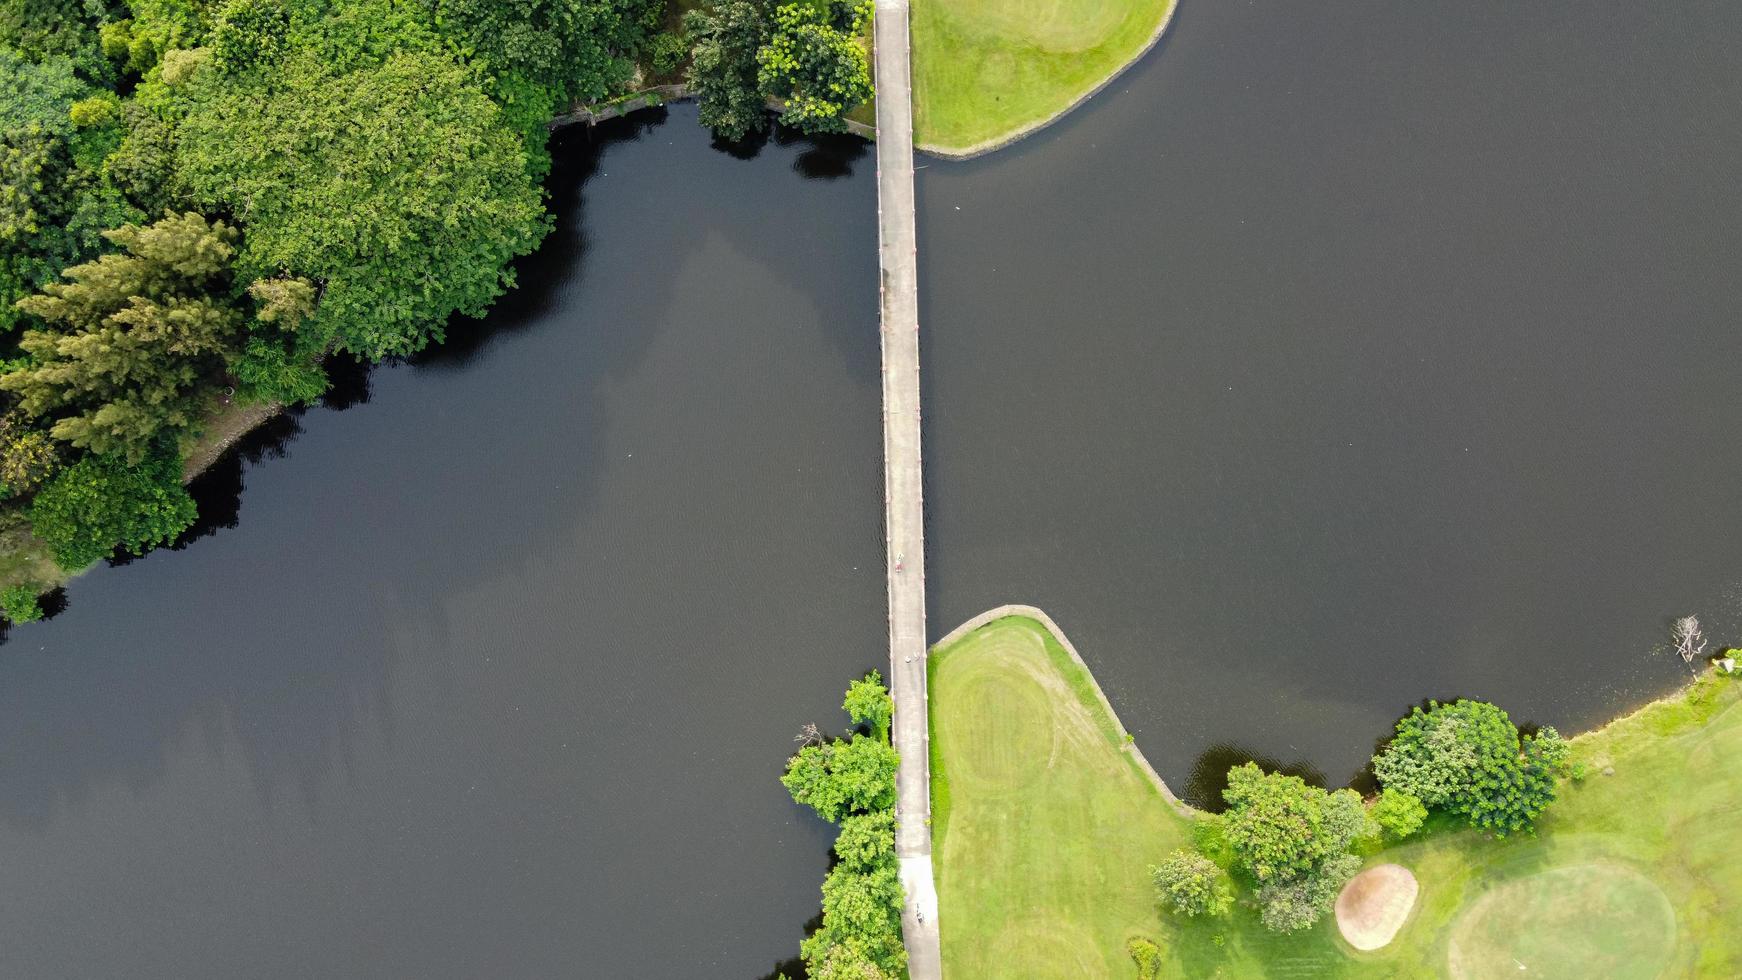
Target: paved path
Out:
[903,504]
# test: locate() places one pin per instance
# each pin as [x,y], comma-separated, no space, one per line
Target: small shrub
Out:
[20,605]
[1210,837]
[1398,813]
[179,65]
[27,456]
[1192,885]
[1148,957]
[99,110]
[667,52]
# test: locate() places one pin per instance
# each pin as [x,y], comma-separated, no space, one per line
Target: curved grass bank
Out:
[1044,823]
[988,72]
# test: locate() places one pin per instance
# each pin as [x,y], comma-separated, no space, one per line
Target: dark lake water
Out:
[1338,356]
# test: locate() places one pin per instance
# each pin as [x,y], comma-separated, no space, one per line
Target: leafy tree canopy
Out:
[814,62]
[54,204]
[578,48]
[1398,813]
[1192,885]
[103,501]
[1279,827]
[397,189]
[723,71]
[1296,903]
[42,29]
[19,604]
[861,931]
[839,778]
[868,703]
[867,840]
[1467,757]
[27,456]
[38,92]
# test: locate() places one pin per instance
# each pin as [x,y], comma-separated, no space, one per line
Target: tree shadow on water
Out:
[218,491]
[748,148]
[793,969]
[1209,776]
[347,383]
[825,157]
[540,277]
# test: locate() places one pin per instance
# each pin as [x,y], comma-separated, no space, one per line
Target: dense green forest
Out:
[200,200]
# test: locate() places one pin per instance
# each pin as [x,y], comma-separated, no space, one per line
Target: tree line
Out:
[200,200]
[850,781]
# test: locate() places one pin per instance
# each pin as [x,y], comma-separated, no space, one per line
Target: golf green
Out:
[1578,922]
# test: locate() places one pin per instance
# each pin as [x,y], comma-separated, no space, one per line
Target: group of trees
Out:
[1292,845]
[807,57]
[850,781]
[202,199]
[1468,758]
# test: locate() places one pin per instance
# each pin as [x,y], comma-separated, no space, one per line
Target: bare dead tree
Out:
[810,734]
[1690,641]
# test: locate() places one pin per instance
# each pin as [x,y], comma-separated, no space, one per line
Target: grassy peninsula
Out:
[1045,821]
[986,72]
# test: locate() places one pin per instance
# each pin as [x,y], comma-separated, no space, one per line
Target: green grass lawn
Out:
[1044,825]
[984,70]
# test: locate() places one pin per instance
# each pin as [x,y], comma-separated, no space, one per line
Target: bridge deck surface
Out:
[904,508]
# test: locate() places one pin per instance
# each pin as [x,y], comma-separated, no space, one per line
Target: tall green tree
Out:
[1278,826]
[49,28]
[102,502]
[1192,885]
[867,840]
[852,782]
[838,778]
[580,49]
[38,91]
[1299,901]
[1293,840]
[868,703]
[814,62]
[131,340]
[396,189]
[1468,757]
[861,931]
[723,69]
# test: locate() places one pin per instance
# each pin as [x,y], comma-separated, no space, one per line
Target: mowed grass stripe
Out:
[1042,846]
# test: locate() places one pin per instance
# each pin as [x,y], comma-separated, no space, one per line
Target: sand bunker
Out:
[1372,906]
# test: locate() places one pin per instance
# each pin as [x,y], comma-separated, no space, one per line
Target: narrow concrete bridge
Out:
[903,497]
